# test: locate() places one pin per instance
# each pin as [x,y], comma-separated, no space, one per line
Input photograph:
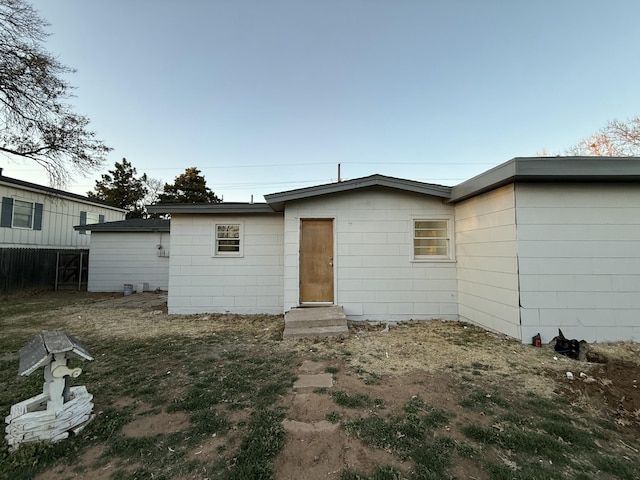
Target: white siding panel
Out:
[374,271]
[203,283]
[119,258]
[579,249]
[487,268]
[59,216]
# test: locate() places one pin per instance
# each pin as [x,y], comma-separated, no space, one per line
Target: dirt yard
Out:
[471,376]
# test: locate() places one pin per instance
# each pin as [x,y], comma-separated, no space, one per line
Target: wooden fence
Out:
[33,268]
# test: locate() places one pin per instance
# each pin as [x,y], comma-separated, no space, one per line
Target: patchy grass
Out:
[498,410]
[209,378]
[356,400]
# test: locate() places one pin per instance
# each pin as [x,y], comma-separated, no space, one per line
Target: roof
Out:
[55,192]
[213,208]
[43,347]
[277,200]
[519,169]
[129,225]
[550,169]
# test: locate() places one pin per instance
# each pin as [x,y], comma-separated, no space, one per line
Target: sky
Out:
[265,96]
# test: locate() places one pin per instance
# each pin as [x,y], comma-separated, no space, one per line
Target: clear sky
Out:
[270,95]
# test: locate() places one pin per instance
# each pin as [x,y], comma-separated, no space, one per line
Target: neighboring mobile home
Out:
[529,246]
[35,216]
[39,247]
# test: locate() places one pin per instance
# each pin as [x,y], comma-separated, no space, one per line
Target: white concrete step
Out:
[333,331]
[318,321]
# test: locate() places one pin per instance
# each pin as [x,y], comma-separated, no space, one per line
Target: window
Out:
[89,218]
[228,239]
[92,218]
[432,239]
[21,214]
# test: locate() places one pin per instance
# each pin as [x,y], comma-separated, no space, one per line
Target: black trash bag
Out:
[571,348]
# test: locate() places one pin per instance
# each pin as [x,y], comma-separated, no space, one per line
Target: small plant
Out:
[357,400]
[381,473]
[333,417]
[482,400]
[332,369]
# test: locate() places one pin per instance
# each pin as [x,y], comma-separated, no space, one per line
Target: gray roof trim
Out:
[550,169]
[129,225]
[55,192]
[277,200]
[213,208]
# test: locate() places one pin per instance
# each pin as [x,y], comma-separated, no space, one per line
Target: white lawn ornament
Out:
[60,409]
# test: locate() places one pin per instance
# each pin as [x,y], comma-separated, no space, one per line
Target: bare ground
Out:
[421,359]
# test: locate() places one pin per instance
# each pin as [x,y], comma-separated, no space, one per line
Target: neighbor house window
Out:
[432,239]
[89,218]
[228,239]
[21,214]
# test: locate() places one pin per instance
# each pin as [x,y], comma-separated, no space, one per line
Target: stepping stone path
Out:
[310,378]
[315,448]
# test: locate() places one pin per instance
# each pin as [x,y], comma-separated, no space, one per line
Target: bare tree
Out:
[154,190]
[615,139]
[35,121]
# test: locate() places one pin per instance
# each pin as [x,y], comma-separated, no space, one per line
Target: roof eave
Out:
[278,200]
[97,228]
[213,208]
[33,187]
[550,169]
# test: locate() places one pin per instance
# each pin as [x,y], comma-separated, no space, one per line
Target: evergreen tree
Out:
[189,187]
[121,188]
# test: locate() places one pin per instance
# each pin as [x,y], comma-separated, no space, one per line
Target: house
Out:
[133,251]
[35,216]
[36,228]
[528,247]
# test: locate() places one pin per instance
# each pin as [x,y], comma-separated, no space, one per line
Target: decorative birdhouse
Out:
[60,409]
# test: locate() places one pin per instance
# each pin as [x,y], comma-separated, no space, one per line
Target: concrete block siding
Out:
[579,254]
[487,261]
[374,273]
[132,257]
[201,282]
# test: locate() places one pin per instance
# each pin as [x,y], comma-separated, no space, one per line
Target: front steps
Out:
[315,322]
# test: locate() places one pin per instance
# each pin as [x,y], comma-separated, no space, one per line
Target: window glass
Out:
[22,214]
[431,239]
[92,218]
[227,239]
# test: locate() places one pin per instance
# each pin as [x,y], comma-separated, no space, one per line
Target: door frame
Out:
[333,272]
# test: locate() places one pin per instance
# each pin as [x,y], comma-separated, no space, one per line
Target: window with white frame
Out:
[15,213]
[432,239]
[89,218]
[22,214]
[228,242]
[92,218]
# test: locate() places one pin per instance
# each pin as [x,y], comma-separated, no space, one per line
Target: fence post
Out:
[57,267]
[80,273]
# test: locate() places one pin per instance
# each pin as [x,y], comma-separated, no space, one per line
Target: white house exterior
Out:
[528,247]
[134,251]
[35,216]
[375,274]
[245,275]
